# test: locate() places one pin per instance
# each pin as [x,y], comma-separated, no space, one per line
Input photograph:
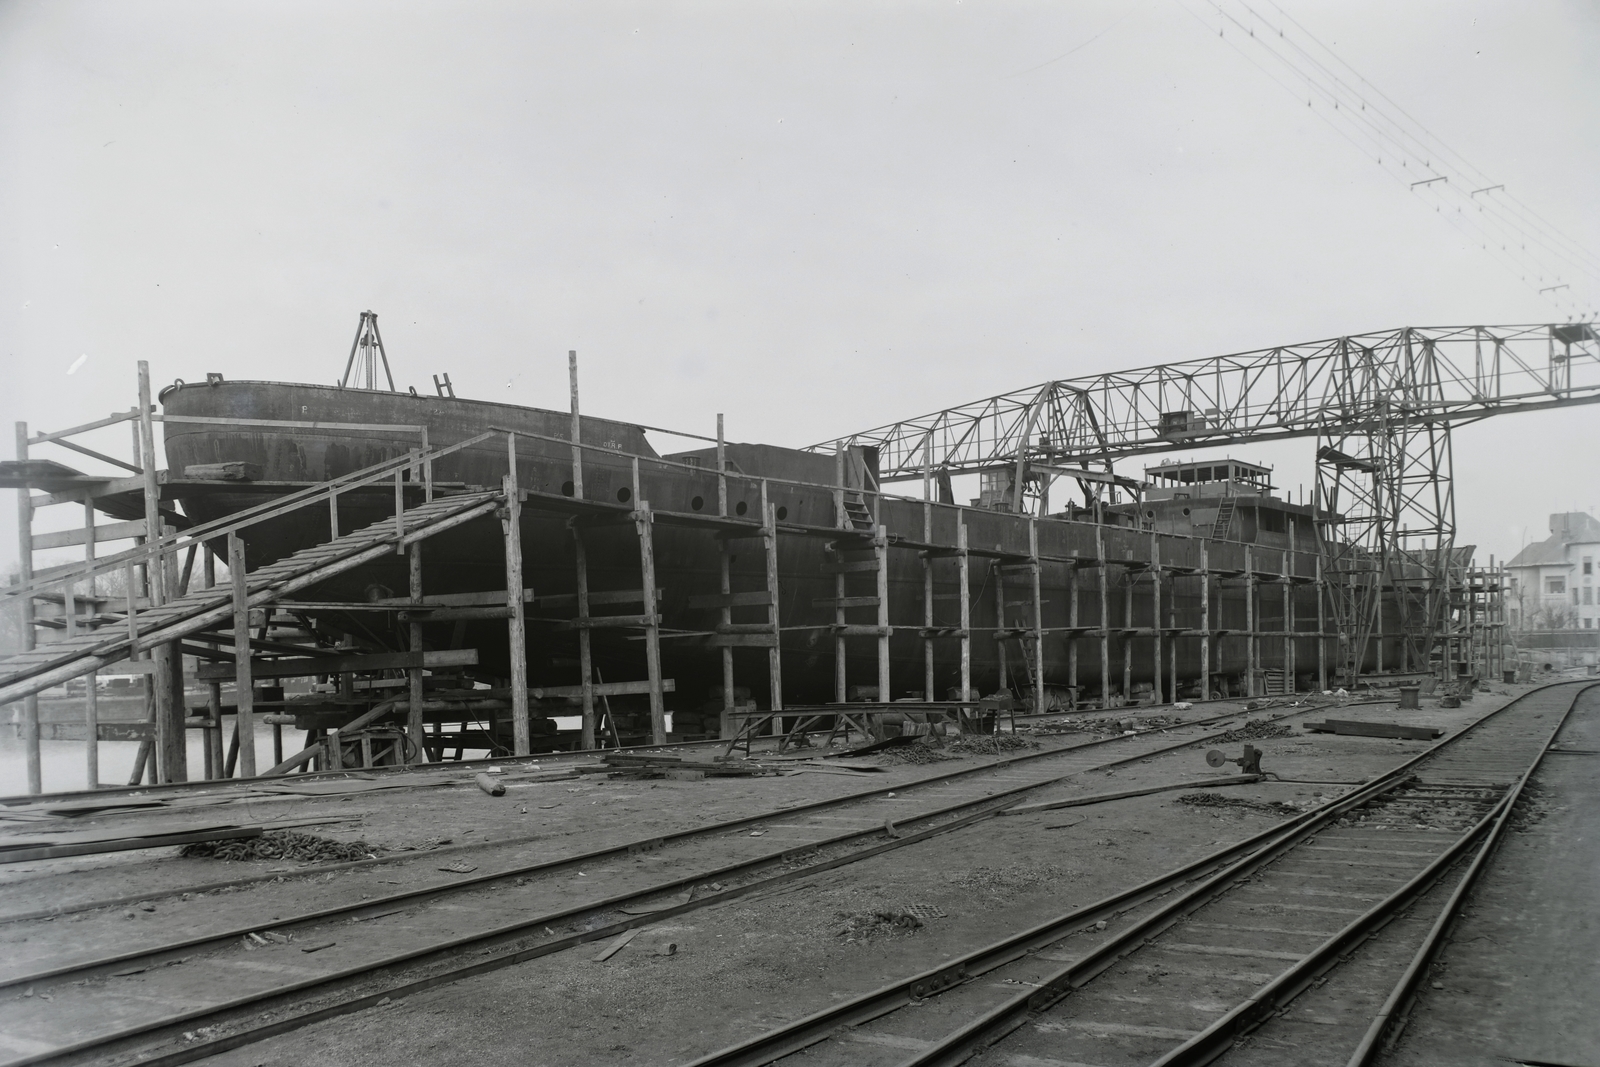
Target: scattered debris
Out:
[1256,731]
[856,927]
[459,867]
[426,846]
[617,944]
[1109,724]
[992,745]
[319,947]
[490,786]
[1241,804]
[1001,883]
[281,845]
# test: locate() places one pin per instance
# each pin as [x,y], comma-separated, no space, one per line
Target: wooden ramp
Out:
[27,673]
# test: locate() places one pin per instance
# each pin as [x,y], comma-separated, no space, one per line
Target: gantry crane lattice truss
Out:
[1380,405]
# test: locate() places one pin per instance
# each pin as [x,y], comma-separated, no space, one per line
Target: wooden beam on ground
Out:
[122,844]
[1375,729]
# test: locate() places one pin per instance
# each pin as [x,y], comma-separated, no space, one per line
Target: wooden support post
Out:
[399,513]
[1205,623]
[585,648]
[725,576]
[134,591]
[1250,646]
[774,654]
[213,731]
[576,432]
[880,551]
[244,727]
[171,741]
[725,619]
[1128,579]
[966,605]
[1172,650]
[1000,639]
[333,515]
[1377,633]
[25,622]
[415,727]
[1038,615]
[1105,618]
[722,470]
[91,688]
[516,625]
[927,593]
[1288,624]
[178,733]
[842,520]
[644,521]
[1073,611]
[1155,619]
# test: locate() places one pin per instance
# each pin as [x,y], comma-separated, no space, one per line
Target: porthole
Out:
[566,488]
[1186,511]
[698,502]
[783,512]
[740,508]
[624,494]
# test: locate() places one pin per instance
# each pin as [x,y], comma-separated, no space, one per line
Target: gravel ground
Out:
[738,966]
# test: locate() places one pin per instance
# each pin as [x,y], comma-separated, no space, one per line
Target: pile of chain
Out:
[917,752]
[281,845]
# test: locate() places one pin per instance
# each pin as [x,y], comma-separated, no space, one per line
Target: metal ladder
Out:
[1220,528]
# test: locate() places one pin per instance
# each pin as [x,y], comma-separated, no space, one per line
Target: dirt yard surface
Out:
[736,967]
[1516,980]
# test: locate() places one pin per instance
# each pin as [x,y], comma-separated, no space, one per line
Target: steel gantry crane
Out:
[1380,405]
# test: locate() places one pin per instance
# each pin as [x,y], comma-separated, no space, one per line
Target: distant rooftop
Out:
[1566,528]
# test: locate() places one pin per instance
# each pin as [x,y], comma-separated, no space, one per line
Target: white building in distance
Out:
[1552,583]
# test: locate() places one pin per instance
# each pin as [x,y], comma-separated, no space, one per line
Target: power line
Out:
[1479,207]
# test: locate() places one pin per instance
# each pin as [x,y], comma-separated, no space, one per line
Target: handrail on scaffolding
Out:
[293,501]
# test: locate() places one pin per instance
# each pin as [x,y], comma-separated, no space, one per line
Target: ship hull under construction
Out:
[1104,620]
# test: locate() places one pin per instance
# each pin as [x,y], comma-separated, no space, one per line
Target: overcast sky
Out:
[814,217]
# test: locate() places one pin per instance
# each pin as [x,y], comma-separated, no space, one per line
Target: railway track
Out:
[632,845]
[111,1007]
[1301,944]
[145,895]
